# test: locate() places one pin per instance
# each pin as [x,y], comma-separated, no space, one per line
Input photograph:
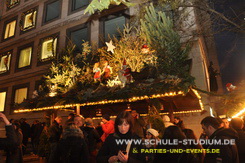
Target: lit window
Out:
[25,57]
[79,36]
[28,20]
[111,27]
[4,62]
[20,95]
[10,29]
[2,100]
[11,3]
[52,11]
[48,49]
[76,4]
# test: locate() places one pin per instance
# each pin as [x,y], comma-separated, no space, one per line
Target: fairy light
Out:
[239,113]
[103,102]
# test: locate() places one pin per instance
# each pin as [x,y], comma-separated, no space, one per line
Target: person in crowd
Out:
[78,121]
[72,147]
[70,118]
[16,156]
[36,130]
[166,121]
[179,122]
[113,152]
[55,132]
[189,133]
[139,124]
[151,142]
[107,126]
[93,137]
[172,133]
[99,129]
[228,153]
[26,131]
[10,143]
[225,123]
[237,124]
[44,144]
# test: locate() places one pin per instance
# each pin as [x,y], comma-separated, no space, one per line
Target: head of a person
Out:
[78,120]
[72,130]
[173,132]
[35,122]
[225,122]
[189,133]
[210,125]
[16,124]
[124,123]
[105,118]
[152,134]
[177,120]
[221,123]
[58,119]
[71,116]
[134,113]
[166,118]
[89,122]
[237,123]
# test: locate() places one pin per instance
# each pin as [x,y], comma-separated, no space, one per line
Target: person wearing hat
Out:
[152,134]
[107,126]
[151,137]
[166,121]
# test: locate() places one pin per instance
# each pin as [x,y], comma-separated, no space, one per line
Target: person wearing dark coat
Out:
[72,147]
[36,129]
[92,137]
[237,124]
[11,140]
[172,133]
[55,132]
[227,153]
[138,123]
[26,131]
[112,152]
[16,156]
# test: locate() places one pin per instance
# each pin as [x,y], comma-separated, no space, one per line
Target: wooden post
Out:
[78,109]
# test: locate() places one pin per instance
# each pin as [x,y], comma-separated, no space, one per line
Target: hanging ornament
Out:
[128,108]
[110,47]
[230,87]
[145,49]
[98,113]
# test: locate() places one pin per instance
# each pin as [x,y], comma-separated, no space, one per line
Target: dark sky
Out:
[231,44]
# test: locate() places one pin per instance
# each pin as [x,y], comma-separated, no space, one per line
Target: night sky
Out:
[231,44]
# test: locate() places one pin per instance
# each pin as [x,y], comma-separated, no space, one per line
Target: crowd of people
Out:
[79,140]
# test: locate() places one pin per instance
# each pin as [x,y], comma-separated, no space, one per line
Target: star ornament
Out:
[110,47]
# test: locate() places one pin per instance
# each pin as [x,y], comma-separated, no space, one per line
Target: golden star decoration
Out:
[110,47]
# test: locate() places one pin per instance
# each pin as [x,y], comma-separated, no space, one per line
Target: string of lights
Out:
[132,99]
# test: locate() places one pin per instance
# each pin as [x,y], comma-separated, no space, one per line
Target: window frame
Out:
[17,69]
[71,11]
[20,86]
[109,17]
[23,18]
[45,12]
[4,28]
[49,59]
[75,28]
[10,6]
[10,52]
[5,102]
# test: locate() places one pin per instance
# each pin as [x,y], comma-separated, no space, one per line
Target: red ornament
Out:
[230,87]
[145,49]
